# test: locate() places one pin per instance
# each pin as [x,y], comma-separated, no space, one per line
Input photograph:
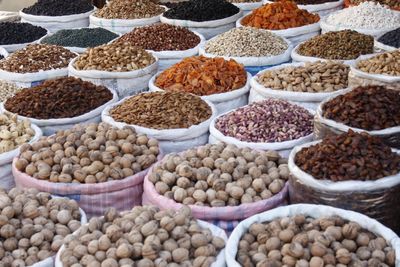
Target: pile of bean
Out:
[58,7]
[143,237]
[85,37]
[391,3]
[310,2]
[220,175]
[162,110]
[367,15]
[37,57]
[128,9]
[342,45]
[313,77]
[391,38]
[125,57]
[368,108]
[202,10]
[65,97]
[246,42]
[94,153]
[13,132]
[280,15]
[386,63]
[304,241]
[161,37]
[349,156]
[19,33]
[7,90]
[268,121]
[203,76]
[34,225]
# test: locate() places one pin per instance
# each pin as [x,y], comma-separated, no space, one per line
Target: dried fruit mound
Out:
[203,76]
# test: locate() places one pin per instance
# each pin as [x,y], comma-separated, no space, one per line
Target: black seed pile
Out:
[58,7]
[85,37]
[19,33]
[202,10]
[391,38]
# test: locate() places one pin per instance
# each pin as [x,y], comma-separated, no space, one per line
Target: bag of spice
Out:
[96,178]
[215,182]
[321,7]
[256,49]
[209,18]
[333,172]
[60,103]
[389,41]
[312,235]
[372,109]
[306,84]
[122,67]
[123,15]
[57,15]
[177,120]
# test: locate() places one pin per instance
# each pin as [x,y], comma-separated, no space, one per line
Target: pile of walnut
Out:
[142,237]
[13,132]
[93,153]
[308,242]
[33,225]
[220,175]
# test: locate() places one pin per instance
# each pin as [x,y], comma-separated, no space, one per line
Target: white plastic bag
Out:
[208,29]
[6,177]
[51,126]
[14,47]
[249,6]
[170,140]
[56,23]
[121,25]
[3,52]
[314,211]
[283,148]
[259,92]
[321,9]
[124,83]
[224,101]
[383,47]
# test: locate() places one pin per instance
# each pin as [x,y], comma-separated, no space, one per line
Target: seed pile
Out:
[246,42]
[58,7]
[202,10]
[20,33]
[34,225]
[128,9]
[116,57]
[162,110]
[315,77]
[391,3]
[369,108]
[386,63]
[161,37]
[13,132]
[7,90]
[341,45]
[144,236]
[391,38]
[367,15]
[280,15]
[85,37]
[37,57]
[203,76]
[267,121]
[65,97]
[305,241]
[220,175]
[94,153]
[349,156]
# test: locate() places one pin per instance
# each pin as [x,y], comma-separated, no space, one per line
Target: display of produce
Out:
[341,45]
[161,37]
[203,76]
[386,64]
[34,225]
[220,175]
[20,33]
[13,132]
[84,37]
[391,38]
[37,57]
[305,241]
[283,14]
[58,7]
[128,9]
[7,90]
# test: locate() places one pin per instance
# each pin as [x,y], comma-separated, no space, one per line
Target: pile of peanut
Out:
[386,63]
